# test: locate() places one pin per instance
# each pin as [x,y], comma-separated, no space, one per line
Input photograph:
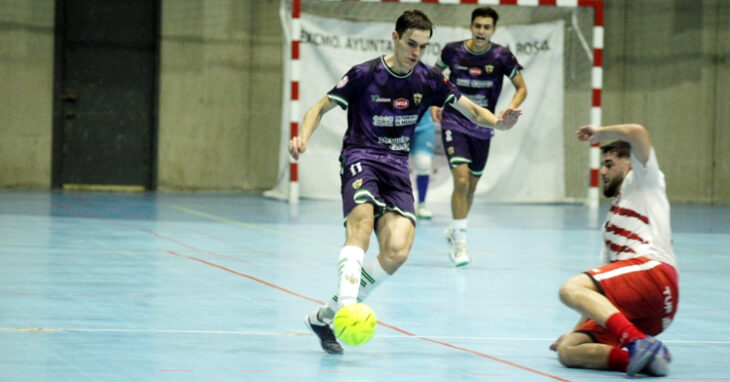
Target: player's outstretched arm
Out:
[520,93]
[635,134]
[298,144]
[484,117]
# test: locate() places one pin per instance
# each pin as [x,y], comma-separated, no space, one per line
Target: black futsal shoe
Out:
[326,336]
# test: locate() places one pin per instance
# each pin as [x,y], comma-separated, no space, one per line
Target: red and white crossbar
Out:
[596,75]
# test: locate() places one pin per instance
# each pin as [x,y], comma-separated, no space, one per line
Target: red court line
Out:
[397,329]
[246,276]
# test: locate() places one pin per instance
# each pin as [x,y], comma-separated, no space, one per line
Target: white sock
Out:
[350,265]
[458,227]
[373,275]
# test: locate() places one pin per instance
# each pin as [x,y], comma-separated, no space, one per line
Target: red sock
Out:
[618,359]
[621,327]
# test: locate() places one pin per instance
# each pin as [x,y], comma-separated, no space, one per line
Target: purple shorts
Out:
[461,148]
[382,180]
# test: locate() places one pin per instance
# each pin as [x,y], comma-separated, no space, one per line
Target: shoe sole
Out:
[647,356]
[657,367]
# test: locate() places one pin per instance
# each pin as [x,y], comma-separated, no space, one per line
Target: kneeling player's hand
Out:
[296,147]
[556,343]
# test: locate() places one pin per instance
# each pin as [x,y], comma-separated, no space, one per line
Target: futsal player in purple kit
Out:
[477,67]
[385,98]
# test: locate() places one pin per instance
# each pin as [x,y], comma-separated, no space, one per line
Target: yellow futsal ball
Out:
[355,324]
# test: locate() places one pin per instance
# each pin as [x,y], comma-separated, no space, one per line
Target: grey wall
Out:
[220,94]
[665,66]
[26,93]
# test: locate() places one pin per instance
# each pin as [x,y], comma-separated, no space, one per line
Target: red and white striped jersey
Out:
[638,222]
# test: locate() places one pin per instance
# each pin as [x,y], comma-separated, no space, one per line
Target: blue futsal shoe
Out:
[643,352]
[659,365]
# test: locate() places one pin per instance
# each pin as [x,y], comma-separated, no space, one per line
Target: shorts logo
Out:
[357,184]
[666,321]
[476,71]
[489,69]
[342,82]
[417,97]
[667,300]
[400,103]
[450,150]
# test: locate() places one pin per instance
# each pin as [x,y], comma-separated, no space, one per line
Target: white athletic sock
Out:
[458,227]
[373,275]
[350,265]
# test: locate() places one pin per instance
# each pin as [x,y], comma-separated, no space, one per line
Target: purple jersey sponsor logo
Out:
[400,103]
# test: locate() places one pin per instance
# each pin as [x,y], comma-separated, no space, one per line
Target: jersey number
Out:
[355,168]
[448,135]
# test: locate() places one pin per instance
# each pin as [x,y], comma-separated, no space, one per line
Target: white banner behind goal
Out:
[525,163]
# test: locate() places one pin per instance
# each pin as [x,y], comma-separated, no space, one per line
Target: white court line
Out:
[257,333]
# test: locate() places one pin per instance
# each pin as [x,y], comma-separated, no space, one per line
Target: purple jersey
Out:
[383,108]
[479,76]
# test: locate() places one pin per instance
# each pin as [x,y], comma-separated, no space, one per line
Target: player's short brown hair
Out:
[622,149]
[413,19]
[485,12]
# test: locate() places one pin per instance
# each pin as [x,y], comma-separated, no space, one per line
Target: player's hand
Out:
[556,343]
[436,113]
[297,146]
[508,118]
[587,133]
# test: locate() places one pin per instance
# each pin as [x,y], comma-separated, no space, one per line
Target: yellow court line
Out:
[103,187]
[252,226]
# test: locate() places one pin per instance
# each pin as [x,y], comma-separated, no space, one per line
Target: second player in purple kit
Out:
[477,67]
[385,98]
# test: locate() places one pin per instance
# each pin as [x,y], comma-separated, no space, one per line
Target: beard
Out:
[611,188]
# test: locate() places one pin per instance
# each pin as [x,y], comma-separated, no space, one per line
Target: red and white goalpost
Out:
[596,76]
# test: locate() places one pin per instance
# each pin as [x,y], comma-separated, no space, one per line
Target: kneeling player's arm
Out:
[633,133]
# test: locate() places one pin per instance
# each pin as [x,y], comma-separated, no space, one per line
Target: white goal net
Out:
[537,161]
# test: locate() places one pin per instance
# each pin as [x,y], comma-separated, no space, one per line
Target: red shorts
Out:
[646,291]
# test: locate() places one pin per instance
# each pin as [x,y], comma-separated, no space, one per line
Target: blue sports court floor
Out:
[214,287]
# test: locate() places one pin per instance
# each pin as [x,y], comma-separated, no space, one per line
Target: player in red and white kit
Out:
[634,295]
